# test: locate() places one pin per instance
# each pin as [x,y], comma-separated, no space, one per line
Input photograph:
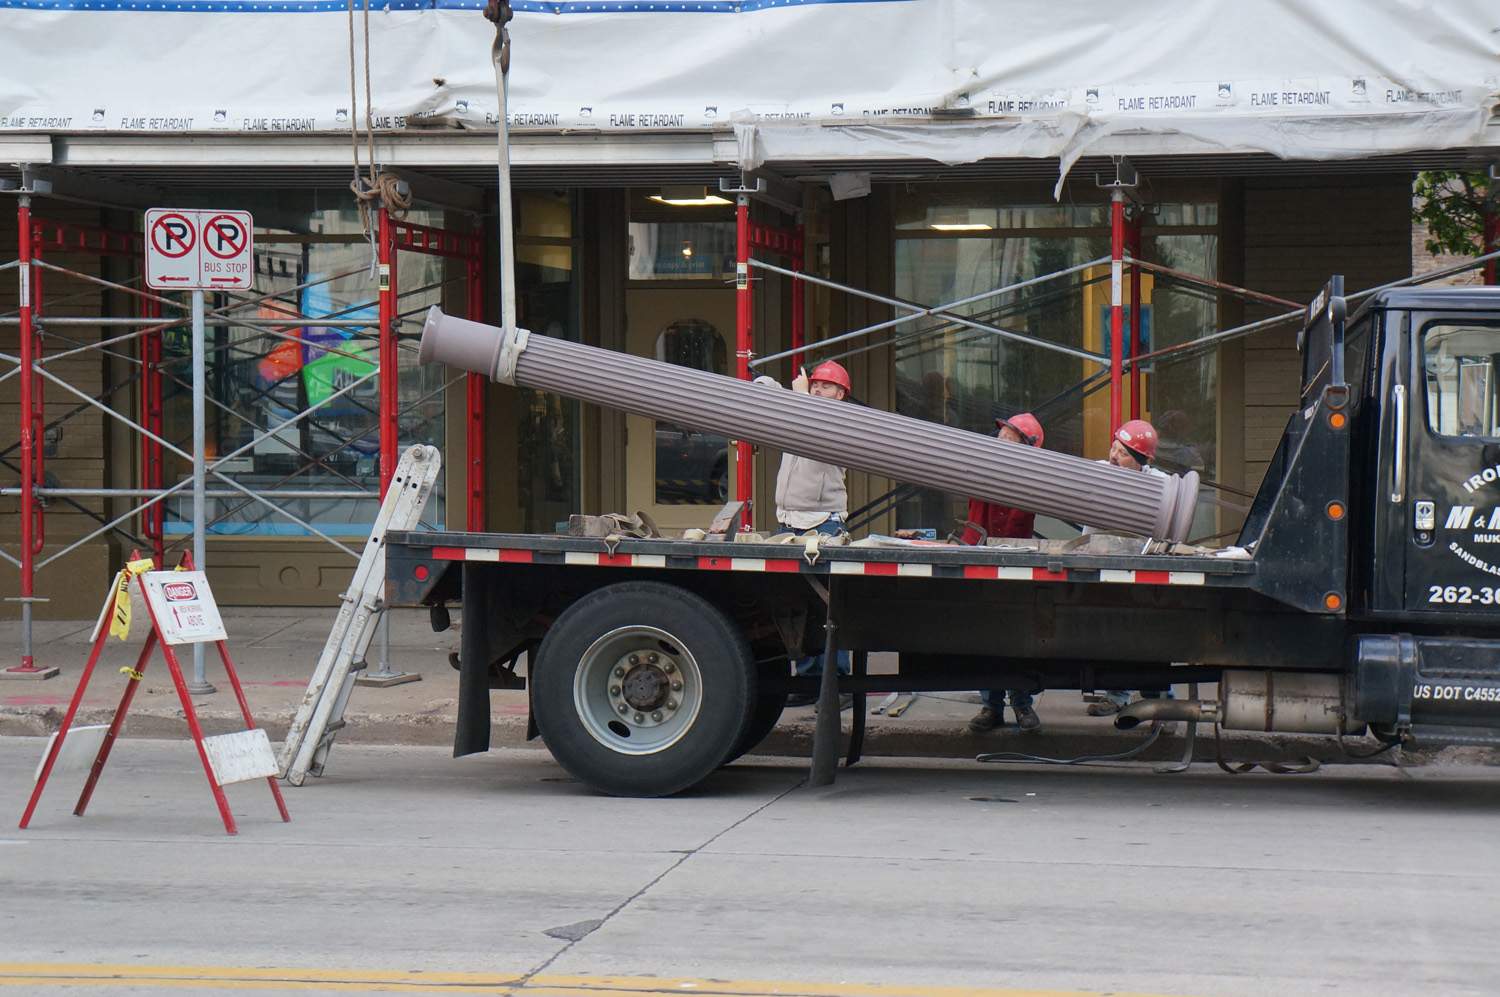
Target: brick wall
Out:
[1298,232]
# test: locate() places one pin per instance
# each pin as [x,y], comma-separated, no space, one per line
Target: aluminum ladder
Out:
[321,714]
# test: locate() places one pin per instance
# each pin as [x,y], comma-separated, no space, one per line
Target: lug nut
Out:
[640,719]
[656,716]
[624,709]
[635,659]
[669,668]
[614,690]
[676,686]
[671,704]
[651,658]
[619,673]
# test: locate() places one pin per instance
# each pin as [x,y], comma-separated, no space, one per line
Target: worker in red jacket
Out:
[1004,521]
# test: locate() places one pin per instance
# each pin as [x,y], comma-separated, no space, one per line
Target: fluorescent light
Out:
[962,227]
[703,201]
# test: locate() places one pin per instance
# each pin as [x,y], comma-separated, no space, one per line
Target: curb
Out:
[794,738]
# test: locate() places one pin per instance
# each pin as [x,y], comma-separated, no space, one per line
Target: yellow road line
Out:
[39,974]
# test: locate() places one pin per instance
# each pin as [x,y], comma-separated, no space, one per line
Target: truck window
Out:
[1461,362]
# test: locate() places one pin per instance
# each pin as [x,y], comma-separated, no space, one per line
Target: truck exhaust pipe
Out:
[909,450]
[1270,702]
[1148,710]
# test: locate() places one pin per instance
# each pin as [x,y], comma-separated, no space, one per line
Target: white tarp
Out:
[796,79]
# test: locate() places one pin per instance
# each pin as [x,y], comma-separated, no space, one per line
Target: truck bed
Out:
[1031,561]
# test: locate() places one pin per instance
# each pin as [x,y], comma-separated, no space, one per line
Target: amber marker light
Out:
[1337,420]
[1333,601]
[1335,511]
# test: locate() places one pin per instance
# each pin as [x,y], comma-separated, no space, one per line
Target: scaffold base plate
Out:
[35,674]
[374,680]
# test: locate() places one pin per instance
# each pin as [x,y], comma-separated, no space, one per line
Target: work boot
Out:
[1027,719]
[1111,704]
[986,720]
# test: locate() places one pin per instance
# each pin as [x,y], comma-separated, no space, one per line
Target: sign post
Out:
[200,685]
[192,250]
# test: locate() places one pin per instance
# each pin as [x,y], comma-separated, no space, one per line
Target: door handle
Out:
[1398,470]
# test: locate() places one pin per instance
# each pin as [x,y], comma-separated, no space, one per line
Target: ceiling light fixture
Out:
[962,227]
[688,197]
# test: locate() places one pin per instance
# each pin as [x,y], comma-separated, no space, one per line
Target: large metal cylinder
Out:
[853,436]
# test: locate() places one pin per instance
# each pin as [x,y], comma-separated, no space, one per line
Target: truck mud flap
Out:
[1429,690]
[471,733]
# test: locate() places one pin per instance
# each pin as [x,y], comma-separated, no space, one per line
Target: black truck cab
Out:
[1424,373]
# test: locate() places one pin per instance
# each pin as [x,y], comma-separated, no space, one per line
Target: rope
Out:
[374,186]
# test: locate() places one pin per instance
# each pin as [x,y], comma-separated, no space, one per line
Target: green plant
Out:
[1452,204]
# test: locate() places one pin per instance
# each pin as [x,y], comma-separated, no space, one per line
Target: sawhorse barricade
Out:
[182,611]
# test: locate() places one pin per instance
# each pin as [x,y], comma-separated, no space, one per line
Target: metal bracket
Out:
[510,354]
[812,549]
[1127,180]
[759,188]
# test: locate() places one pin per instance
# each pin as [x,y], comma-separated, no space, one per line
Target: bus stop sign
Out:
[189,250]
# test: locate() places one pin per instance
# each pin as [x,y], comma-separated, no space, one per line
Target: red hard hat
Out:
[1140,436]
[833,372]
[1025,423]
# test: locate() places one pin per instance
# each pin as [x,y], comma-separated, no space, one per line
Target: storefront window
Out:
[547,304]
[259,377]
[680,237]
[954,245]
[692,467]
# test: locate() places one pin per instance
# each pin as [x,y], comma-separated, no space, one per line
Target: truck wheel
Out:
[763,720]
[642,689]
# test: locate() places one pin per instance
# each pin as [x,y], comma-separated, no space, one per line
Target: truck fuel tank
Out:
[1091,493]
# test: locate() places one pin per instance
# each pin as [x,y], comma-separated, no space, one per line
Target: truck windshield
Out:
[1462,366]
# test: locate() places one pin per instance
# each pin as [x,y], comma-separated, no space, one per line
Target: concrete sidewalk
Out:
[276,649]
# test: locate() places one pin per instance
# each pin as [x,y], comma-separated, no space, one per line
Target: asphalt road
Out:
[404,870]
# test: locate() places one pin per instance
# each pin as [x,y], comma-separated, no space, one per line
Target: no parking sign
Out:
[199,250]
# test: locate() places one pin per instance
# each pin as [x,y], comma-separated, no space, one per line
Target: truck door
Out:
[1445,480]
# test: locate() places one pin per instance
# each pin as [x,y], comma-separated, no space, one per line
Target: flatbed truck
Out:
[1364,597]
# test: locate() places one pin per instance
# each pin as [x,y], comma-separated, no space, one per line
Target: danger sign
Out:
[199,250]
[183,606]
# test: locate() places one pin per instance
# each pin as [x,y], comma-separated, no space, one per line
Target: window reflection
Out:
[692,468]
[956,244]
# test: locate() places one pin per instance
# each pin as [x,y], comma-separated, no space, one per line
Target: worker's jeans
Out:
[813,665]
[995,699]
[1121,697]
[830,527]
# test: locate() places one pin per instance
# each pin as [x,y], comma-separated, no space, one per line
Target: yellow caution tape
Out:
[119,624]
[134,674]
[119,621]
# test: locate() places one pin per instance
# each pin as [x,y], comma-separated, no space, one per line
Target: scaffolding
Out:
[1122,363]
[265,322]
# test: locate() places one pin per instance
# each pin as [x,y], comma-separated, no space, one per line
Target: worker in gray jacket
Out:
[811,496]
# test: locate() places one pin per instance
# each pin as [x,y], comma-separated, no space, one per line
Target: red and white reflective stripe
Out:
[482,554]
[892,569]
[1005,573]
[1153,577]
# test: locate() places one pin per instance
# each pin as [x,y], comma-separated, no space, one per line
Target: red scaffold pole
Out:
[744,479]
[31,527]
[1136,346]
[799,331]
[1491,238]
[390,372]
[475,389]
[1116,316]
